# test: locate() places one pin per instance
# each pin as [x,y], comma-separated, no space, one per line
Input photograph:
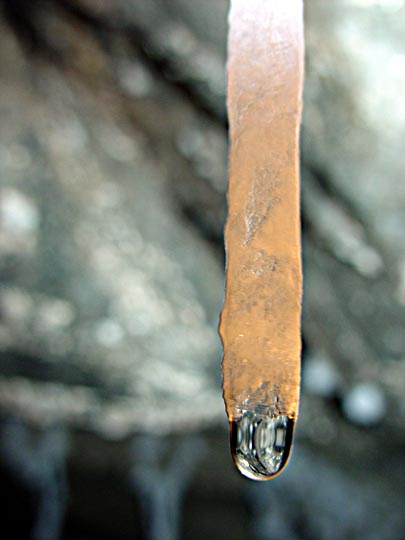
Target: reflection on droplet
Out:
[261,445]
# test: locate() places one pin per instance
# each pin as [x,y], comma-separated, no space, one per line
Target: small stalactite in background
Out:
[160,476]
[40,466]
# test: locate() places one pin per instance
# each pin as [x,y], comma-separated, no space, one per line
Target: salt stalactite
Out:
[260,321]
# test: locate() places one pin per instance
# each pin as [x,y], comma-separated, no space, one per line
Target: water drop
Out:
[261,444]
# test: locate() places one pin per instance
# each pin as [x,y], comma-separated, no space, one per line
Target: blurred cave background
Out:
[113,166]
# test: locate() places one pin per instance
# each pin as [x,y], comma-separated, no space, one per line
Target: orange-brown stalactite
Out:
[260,321]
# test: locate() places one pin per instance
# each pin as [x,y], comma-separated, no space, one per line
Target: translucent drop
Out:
[260,444]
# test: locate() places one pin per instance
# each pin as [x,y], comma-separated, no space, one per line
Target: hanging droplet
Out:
[261,445]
